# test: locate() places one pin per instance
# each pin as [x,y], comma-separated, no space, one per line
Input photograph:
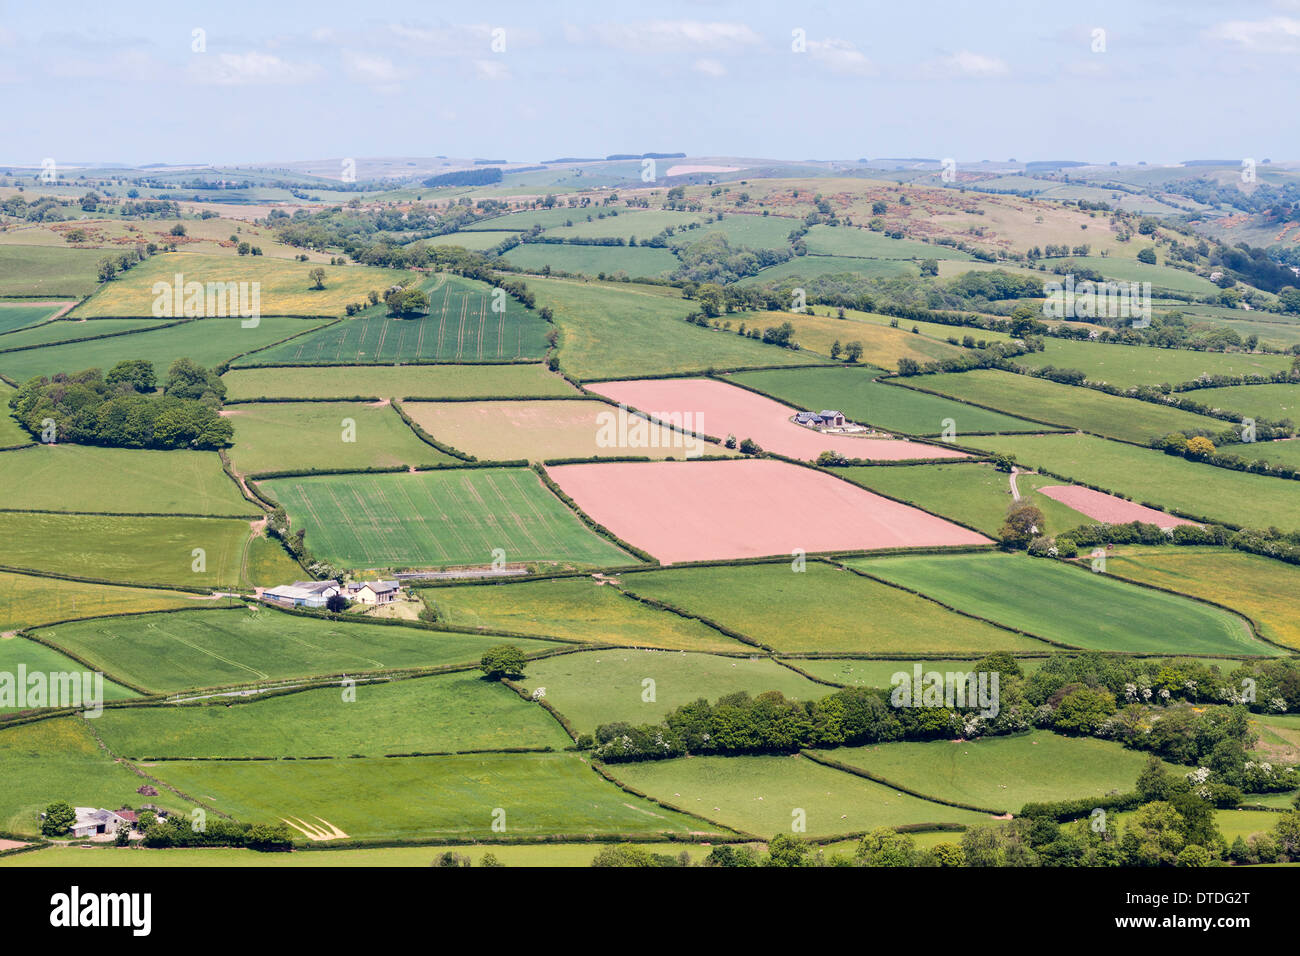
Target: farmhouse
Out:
[302,593]
[91,822]
[826,418]
[373,592]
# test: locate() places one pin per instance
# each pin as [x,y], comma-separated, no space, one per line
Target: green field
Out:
[628,223]
[413,381]
[1085,408]
[859,672]
[459,327]
[285,286]
[18,652]
[375,798]
[40,270]
[974,493]
[1160,276]
[1152,477]
[1275,452]
[30,601]
[141,550]
[754,232]
[636,261]
[934,330]
[853,241]
[821,610]
[521,221]
[54,478]
[12,434]
[574,608]
[1270,402]
[812,267]
[1001,773]
[856,393]
[1259,587]
[65,330]
[625,330]
[282,436]
[14,316]
[601,687]
[438,518]
[882,347]
[209,342]
[760,795]
[59,760]
[171,652]
[444,714]
[1069,605]
[478,241]
[1130,365]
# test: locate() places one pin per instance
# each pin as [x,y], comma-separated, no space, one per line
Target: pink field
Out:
[718,409]
[1107,508]
[702,510]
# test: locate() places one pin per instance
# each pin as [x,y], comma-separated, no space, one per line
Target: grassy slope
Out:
[1153,477]
[444,714]
[578,609]
[1085,408]
[56,272]
[622,331]
[822,609]
[974,493]
[760,794]
[1069,605]
[448,517]
[428,796]
[280,436]
[416,381]
[600,687]
[856,393]
[1129,365]
[286,287]
[209,342]
[1002,773]
[54,478]
[167,652]
[1259,587]
[138,550]
[59,760]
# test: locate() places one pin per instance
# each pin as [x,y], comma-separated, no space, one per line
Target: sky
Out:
[241,82]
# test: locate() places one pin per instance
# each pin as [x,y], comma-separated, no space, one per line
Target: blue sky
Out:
[989,80]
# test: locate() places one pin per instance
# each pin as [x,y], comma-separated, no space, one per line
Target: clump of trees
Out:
[503,660]
[406,301]
[125,409]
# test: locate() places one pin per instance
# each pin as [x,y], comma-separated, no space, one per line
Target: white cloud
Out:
[1274,35]
[376,72]
[492,69]
[709,67]
[251,69]
[662,36]
[134,65]
[966,63]
[841,56]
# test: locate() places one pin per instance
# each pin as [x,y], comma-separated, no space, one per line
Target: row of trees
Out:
[1184,711]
